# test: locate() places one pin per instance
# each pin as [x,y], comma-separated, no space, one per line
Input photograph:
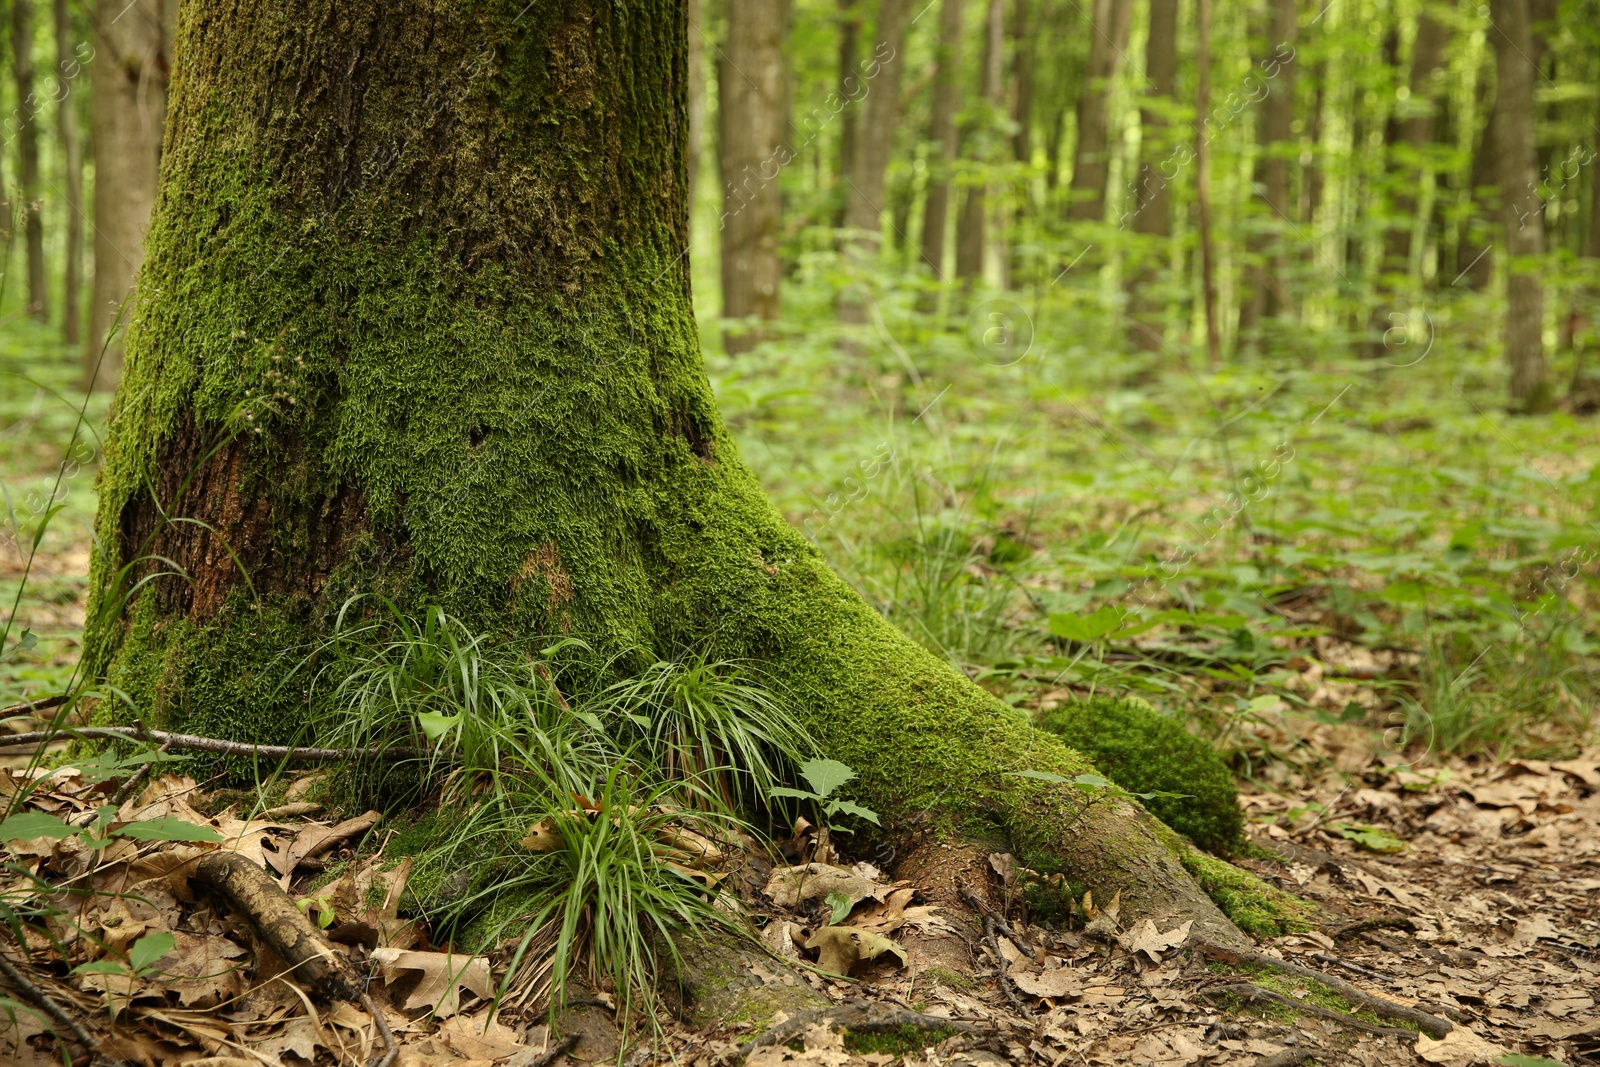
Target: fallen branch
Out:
[550,1054]
[282,925]
[1255,994]
[1431,1025]
[1002,964]
[46,1003]
[29,706]
[216,746]
[390,1049]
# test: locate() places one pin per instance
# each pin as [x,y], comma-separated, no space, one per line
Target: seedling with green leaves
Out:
[825,777]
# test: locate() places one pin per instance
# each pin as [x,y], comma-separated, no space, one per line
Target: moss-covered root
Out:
[725,982]
[1252,904]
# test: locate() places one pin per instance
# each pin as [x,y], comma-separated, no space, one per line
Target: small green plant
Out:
[140,961]
[825,777]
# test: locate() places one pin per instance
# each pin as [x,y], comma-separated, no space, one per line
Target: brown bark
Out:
[1585,387]
[1202,182]
[128,85]
[849,89]
[1521,210]
[1090,162]
[1152,199]
[1474,265]
[1267,296]
[942,134]
[697,97]
[1024,54]
[27,115]
[972,226]
[864,200]
[68,67]
[750,102]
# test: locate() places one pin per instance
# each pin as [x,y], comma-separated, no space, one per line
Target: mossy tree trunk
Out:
[415,319]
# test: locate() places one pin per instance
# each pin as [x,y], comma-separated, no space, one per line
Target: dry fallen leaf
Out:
[790,886]
[443,976]
[1147,939]
[1459,1048]
[840,948]
[1059,984]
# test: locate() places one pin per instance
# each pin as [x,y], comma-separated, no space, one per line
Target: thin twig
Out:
[131,786]
[44,704]
[1347,965]
[549,1055]
[216,746]
[390,1049]
[44,1001]
[1000,962]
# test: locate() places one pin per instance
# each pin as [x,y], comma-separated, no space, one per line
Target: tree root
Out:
[1431,1025]
[45,1002]
[195,743]
[281,925]
[1255,994]
[860,1016]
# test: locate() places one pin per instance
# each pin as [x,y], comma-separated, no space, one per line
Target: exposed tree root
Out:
[281,925]
[860,1016]
[1255,994]
[45,1002]
[1431,1025]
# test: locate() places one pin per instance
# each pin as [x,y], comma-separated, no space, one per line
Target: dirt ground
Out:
[1468,892]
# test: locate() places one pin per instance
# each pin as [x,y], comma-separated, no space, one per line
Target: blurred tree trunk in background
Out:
[971,227]
[128,106]
[849,89]
[1024,57]
[1520,206]
[1407,138]
[1057,80]
[750,103]
[864,199]
[1107,41]
[697,96]
[68,68]
[1580,326]
[1202,181]
[26,115]
[1266,295]
[942,137]
[1475,241]
[1152,201]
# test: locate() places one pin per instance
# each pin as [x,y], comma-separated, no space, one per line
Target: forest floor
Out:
[1469,893]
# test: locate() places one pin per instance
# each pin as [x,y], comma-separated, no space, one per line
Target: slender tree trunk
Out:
[1475,243]
[27,114]
[942,135]
[1024,53]
[1152,200]
[972,226]
[1202,182]
[1584,391]
[454,361]
[864,200]
[128,106]
[1267,296]
[750,95]
[1520,206]
[68,67]
[1090,159]
[1407,137]
[849,91]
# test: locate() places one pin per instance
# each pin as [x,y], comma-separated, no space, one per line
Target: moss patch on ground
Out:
[1144,751]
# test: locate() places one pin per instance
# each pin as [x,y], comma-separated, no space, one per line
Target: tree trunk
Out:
[942,135]
[1202,182]
[1108,40]
[1584,391]
[849,90]
[1266,296]
[1475,243]
[864,202]
[416,320]
[1520,206]
[128,98]
[68,67]
[697,98]
[972,226]
[1152,199]
[750,102]
[27,116]
[1407,138]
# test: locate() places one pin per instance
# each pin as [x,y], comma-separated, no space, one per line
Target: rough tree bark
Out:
[1152,199]
[750,98]
[27,116]
[1520,207]
[880,113]
[1266,296]
[942,134]
[128,87]
[971,226]
[68,67]
[1474,265]
[417,320]
[1108,40]
[695,149]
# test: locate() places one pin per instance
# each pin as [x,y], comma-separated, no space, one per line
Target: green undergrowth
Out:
[1144,751]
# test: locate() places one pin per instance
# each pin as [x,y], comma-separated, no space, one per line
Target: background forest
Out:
[1238,356]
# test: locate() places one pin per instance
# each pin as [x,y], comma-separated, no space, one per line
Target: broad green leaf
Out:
[168,828]
[31,824]
[1371,838]
[101,967]
[825,775]
[435,725]
[844,807]
[793,794]
[839,905]
[27,641]
[148,949]
[1092,781]
[1090,627]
